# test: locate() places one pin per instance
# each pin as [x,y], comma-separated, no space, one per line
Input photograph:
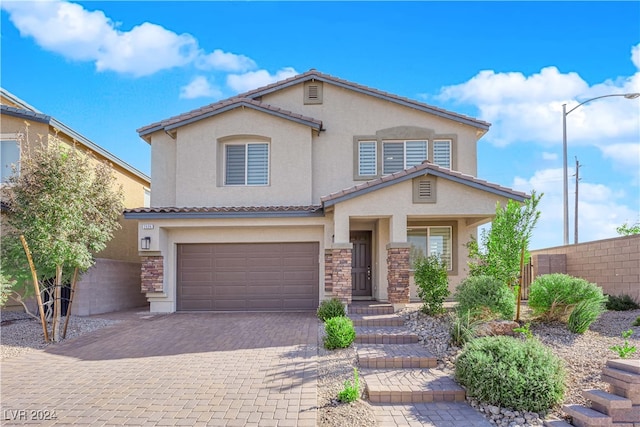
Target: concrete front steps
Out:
[620,406]
[395,367]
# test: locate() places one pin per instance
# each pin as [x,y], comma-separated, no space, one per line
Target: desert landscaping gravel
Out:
[584,356]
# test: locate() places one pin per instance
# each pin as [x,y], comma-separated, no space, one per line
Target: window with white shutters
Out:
[368,159]
[442,153]
[399,155]
[247,164]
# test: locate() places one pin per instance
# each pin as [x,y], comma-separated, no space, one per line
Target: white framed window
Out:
[9,156]
[427,241]
[147,198]
[442,153]
[367,158]
[399,155]
[247,164]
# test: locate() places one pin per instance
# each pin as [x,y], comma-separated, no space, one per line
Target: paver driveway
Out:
[213,369]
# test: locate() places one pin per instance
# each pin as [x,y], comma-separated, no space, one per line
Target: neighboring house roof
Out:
[224,212]
[251,99]
[426,168]
[226,105]
[37,116]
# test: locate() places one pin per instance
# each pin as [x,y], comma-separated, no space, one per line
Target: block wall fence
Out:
[613,264]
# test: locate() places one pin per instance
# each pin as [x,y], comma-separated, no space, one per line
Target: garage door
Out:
[248,277]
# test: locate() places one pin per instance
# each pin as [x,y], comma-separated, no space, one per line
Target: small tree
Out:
[628,230]
[66,205]
[432,282]
[510,232]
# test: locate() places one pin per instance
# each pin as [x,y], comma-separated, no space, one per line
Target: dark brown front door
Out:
[361,264]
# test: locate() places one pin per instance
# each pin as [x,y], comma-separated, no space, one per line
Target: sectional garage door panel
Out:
[248,277]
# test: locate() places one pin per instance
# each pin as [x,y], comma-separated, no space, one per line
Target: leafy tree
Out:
[628,230]
[432,282]
[504,242]
[66,204]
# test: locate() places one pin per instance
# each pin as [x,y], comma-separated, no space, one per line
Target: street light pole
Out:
[565,184]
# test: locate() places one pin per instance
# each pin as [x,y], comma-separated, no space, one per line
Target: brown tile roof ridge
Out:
[314,73]
[214,209]
[397,176]
[219,105]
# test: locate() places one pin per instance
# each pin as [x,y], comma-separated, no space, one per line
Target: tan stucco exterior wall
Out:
[123,246]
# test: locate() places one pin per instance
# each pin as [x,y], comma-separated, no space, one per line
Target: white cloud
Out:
[600,209]
[549,156]
[255,79]
[76,33]
[198,88]
[225,61]
[635,55]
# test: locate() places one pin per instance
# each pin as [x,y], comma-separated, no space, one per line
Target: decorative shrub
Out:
[432,282]
[485,297]
[512,373]
[462,327]
[340,333]
[625,350]
[584,314]
[330,308]
[622,303]
[636,322]
[553,296]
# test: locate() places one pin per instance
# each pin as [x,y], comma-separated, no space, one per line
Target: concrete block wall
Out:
[613,264]
[110,285]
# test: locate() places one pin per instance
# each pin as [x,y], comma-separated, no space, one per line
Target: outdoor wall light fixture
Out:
[145,243]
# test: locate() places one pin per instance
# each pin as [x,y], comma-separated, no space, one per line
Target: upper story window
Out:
[399,155]
[367,158]
[147,198]
[246,164]
[9,156]
[442,153]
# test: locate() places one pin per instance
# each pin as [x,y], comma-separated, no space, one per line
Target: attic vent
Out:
[313,92]
[424,190]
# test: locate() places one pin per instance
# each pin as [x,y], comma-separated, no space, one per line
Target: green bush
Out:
[432,282]
[351,390]
[553,296]
[330,308]
[636,322]
[622,303]
[340,333]
[512,373]
[584,314]
[485,297]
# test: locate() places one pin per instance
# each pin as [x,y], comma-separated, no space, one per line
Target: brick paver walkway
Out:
[213,369]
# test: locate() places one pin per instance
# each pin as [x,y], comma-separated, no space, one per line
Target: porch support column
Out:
[341,256]
[398,262]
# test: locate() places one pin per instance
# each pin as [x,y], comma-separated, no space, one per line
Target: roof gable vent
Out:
[313,92]
[424,190]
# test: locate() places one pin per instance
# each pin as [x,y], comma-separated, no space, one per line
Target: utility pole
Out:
[575,224]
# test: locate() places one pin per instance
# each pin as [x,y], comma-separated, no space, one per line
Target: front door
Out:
[361,264]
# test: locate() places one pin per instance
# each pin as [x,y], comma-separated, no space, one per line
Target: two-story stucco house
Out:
[308,188]
[113,283]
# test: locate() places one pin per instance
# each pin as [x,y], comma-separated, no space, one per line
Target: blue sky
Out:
[108,68]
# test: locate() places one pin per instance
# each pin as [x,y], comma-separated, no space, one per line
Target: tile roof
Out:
[226,105]
[249,99]
[36,116]
[229,211]
[426,168]
[314,74]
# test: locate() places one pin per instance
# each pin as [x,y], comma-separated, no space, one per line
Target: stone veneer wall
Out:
[614,264]
[341,274]
[328,271]
[398,275]
[152,273]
